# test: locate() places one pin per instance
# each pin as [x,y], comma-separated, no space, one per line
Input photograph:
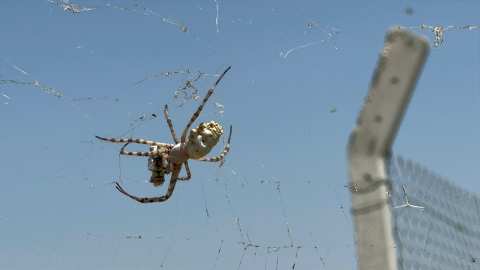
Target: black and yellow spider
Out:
[200,143]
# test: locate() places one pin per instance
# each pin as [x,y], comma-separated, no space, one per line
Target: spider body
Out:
[178,155]
[199,144]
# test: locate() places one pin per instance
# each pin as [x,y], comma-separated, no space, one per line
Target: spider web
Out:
[74,69]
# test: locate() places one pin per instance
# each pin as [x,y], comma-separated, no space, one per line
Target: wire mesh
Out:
[445,234]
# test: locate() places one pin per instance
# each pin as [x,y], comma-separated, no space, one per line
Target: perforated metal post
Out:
[398,69]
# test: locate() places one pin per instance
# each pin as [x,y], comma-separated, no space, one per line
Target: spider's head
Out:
[203,139]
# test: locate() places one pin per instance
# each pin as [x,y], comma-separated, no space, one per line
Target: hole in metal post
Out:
[394,80]
[410,43]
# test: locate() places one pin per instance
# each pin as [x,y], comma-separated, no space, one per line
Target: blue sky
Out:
[59,208]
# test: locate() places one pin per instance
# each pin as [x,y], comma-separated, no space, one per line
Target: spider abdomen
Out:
[203,139]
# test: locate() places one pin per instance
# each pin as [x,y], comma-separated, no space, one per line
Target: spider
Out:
[200,142]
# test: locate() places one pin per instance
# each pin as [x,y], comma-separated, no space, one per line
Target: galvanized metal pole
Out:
[398,69]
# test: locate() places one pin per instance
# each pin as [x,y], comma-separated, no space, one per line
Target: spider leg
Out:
[139,154]
[224,152]
[121,150]
[197,113]
[170,125]
[161,152]
[189,175]
[119,188]
[142,154]
[139,141]
[171,187]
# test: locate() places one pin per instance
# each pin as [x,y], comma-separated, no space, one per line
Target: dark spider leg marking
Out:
[139,154]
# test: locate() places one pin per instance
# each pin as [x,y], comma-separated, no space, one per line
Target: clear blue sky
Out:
[58,206]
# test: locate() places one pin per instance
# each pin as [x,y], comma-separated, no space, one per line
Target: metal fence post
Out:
[398,69]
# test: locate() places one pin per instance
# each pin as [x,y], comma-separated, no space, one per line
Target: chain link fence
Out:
[436,223]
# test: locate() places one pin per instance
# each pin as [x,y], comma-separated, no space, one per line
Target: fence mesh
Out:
[436,223]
